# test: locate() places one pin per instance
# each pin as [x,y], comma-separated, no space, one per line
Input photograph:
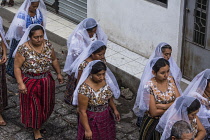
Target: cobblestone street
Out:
[63,122]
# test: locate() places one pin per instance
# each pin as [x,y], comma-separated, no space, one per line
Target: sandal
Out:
[39,139]
[11,3]
[3,3]
[3,123]
[43,131]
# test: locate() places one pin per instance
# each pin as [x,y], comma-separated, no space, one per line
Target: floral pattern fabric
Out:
[162,97]
[194,126]
[83,65]
[36,62]
[96,98]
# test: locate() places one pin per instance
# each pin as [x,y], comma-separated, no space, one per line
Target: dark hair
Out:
[100,49]
[35,28]
[195,105]
[97,67]
[166,47]
[159,64]
[179,128]
[208,80]
[90,29]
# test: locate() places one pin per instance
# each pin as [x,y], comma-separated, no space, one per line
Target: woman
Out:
[95,51]
[164,50]
[156,93]
[94,96]
[184,108]
[10,4]
[199,88]
[30,12]
[35,82]
[85,33]
[3,84]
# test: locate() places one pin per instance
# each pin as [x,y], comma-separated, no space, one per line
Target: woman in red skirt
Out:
[35,82]
[94,95]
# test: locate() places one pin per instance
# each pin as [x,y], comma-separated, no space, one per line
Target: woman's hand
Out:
[60,78]
[88,135]
[22,88]
[117,115]
[3,60]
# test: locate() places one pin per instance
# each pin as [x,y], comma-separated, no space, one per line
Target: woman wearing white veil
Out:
[199,87]
[30,12]
[95,51]
[184,108]
[86,32]
[94,97]
[3,84]
[157,92]
[32,65]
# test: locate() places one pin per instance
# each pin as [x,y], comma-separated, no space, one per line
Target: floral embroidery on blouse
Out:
[35,62]
[162,97]
[96,98]
[83,65]
[194,126]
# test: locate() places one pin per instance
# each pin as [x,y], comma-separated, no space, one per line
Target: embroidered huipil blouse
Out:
[96,98]
[162,97]
[35,62]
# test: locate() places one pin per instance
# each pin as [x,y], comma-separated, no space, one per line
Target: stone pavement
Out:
[62,124]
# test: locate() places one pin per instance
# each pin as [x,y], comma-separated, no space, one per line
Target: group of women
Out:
[91,86]
[160,101]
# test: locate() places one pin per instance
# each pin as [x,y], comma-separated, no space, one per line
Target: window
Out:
[160,2]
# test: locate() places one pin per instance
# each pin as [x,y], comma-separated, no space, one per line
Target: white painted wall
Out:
[140,25]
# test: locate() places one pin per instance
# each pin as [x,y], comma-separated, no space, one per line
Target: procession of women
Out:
[162,109]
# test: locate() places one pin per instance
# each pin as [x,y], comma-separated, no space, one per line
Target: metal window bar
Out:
[199,35]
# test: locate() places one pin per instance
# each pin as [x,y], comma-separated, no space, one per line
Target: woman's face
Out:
[99,77]
[92,32]
[99,56]
[192,115]
[33,6]
[162,74]
[167,53]
[37,38]
[208,87]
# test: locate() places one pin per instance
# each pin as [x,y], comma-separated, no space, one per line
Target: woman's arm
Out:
[82,105]
[177,94]
[18,62]
[4,55]
[153,110]
[116,113]
[56,67]
[201,130]
[164,106]
[79,75]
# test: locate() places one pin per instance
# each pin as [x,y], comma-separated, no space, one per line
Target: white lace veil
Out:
[143,95]
[196,89]
[79,40]
[174,69]
[176,112]
[2,32]
[18,26]
[110,80]
[25,37]
[73,68]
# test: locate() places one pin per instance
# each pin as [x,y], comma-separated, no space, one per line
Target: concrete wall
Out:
[140,25]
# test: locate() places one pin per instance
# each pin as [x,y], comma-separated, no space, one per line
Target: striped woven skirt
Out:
[102,125]
[3,88]
[147,129]
[70,87]
[37,105]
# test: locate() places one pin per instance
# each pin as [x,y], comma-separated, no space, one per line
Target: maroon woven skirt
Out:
[37,105]
[102,125]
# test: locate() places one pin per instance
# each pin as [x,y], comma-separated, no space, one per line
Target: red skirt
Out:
[37,105]
[102,125]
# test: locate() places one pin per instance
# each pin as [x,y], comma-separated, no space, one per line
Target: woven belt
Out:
[99,108]
[36,76]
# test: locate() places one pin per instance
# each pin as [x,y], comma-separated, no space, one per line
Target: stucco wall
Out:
[140,25]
